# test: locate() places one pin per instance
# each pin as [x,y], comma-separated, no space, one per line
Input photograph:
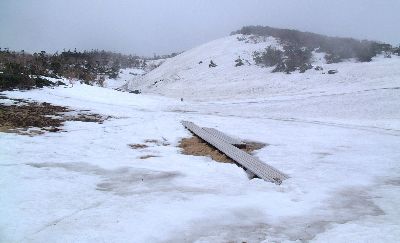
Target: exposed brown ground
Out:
[157,142]
[147,156]
[44,116]
[152,142]
[138,146]
[198,147]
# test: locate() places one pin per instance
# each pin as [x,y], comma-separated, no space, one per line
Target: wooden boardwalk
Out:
[224,137]
[262,170]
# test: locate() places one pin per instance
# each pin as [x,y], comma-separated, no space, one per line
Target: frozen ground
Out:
[87,185]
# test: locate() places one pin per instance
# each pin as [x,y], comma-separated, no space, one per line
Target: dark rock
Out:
[239,62]
[212,64]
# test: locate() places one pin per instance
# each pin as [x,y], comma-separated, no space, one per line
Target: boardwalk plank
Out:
[262,170]
[223,136]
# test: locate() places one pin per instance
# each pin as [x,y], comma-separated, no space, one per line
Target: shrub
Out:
[296,58]
[396,50]
[14,76]
[332,58]
[304,67]
[269,58]
[366,52]
[85,65]
[292,58]
[337,48]
[114,71]
[9,81]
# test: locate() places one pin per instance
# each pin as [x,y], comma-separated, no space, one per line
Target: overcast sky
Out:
[165,26]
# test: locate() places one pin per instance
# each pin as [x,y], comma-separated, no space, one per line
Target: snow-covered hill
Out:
[188,75]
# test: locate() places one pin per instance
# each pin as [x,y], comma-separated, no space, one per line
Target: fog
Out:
[162,27]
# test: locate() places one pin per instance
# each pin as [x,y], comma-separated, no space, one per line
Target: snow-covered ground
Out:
[87,185]
[336,136]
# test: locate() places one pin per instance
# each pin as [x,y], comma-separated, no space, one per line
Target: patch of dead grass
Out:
[157,142]
[22,117]
[39,115]
[198,147]
[138,146]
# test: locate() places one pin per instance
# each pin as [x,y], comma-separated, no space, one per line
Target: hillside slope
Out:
[185,76]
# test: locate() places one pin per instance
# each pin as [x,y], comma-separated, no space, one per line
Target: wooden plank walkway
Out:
[262,170]
[224,137]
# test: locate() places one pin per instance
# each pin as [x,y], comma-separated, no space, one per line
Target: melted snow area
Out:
[336,136]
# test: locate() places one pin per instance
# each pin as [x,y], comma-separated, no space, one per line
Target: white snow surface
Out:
[124,76]
[336,136]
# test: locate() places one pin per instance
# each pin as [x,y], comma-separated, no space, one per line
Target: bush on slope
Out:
[337,48]
[292,58]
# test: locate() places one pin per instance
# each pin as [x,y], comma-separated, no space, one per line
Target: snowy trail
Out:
[88,185]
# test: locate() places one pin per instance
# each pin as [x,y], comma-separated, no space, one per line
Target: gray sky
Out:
[165,26]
